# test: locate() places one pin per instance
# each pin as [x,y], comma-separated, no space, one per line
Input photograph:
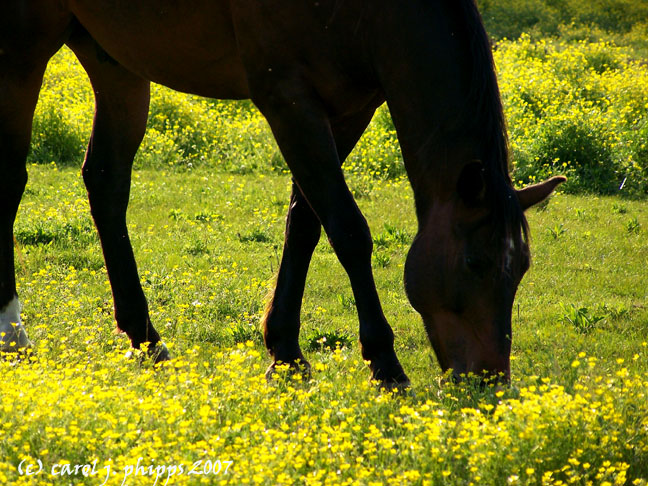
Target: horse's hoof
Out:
[157,353]
[13,337]
[300,366]
[403,388]
[389,374]
[15,340]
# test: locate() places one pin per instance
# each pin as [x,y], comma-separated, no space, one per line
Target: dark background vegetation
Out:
[621,21]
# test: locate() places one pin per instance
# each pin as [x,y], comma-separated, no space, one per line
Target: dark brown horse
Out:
[317,70]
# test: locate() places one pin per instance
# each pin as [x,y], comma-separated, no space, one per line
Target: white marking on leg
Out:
[13,336]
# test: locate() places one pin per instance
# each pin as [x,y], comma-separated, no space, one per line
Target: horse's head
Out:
[465,265]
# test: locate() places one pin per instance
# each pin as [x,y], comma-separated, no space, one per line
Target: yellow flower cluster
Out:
[211,409]
[579,109]
[78,412]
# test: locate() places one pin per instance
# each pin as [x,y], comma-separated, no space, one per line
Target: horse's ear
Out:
[532,195]
[471,184]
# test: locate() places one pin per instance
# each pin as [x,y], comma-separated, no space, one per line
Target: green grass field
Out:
[207,212]
[207,244]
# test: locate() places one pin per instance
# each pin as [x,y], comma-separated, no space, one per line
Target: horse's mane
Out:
[485,115]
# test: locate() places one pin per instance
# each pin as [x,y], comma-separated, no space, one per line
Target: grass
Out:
[207,213]
[575,410]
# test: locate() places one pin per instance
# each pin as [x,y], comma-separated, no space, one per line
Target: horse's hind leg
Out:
[282,318]
[303,229]
[30,33]
[121,112]
[19,87]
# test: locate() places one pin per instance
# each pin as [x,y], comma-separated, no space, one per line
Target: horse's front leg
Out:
[303,229]
[304,134]
[122,101]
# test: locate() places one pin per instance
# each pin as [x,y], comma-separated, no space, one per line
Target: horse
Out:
[317,71]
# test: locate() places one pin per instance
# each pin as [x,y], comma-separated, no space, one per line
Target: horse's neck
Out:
[425,72]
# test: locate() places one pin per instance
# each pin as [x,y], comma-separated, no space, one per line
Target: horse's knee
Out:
[351,240]
[303,229]
[122,101]
[94,177]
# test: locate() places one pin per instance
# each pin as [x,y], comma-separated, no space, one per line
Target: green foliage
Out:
[54,139]
[577,109]
[621,20]
[382,260]
[633,226]
[580,317]
[320,340]
[208,208]
[574,108]
[557,231]
[574,413]
[346,302]
[245,331]
[580,145]
[256,235]
[510,18]
[196,247]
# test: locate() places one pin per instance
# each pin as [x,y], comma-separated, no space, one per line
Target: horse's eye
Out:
[477,265]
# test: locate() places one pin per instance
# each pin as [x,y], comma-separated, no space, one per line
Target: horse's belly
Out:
[210,76]
[186,45]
